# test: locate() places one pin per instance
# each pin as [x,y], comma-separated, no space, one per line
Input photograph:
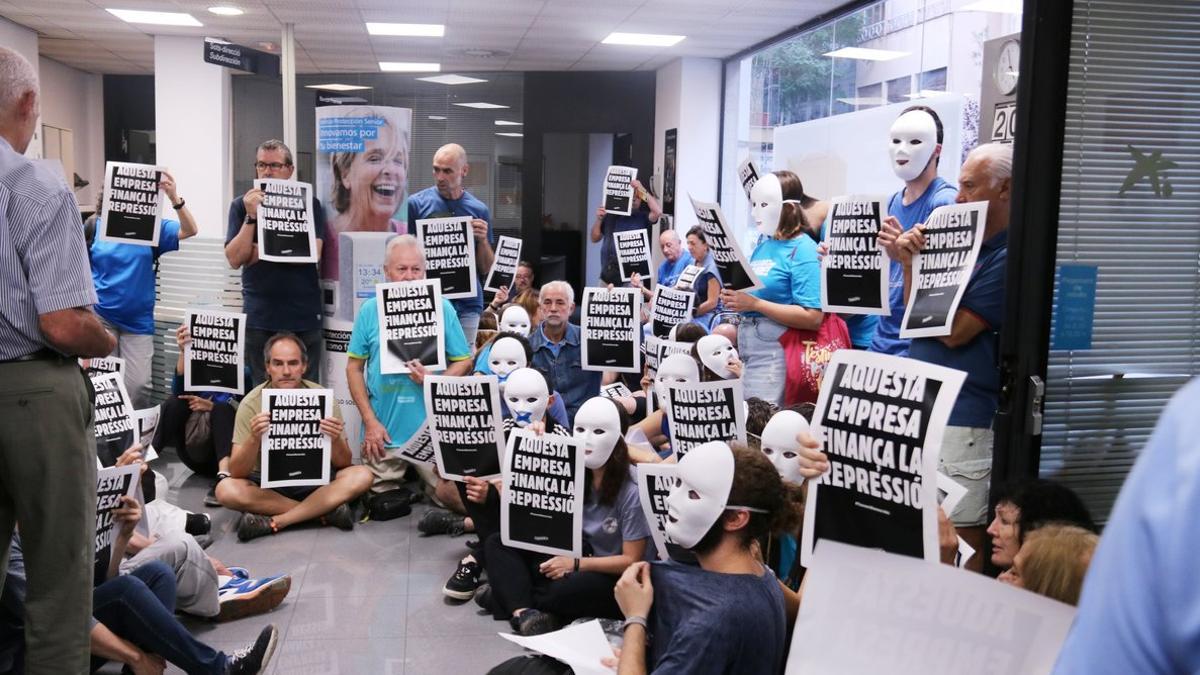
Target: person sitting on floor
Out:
[1053,562]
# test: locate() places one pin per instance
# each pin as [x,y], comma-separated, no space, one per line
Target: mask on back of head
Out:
[701,493]
[780,445]
[911,142]
[506,356]
[526,396]
[515,320]
[716,353]
[597,428]
[766,198]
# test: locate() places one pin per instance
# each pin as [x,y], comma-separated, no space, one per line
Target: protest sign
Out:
[419,448]
[449,245]
[287,232]
[618,190]
[102,365]
[213,360]
[940,272]
[504,265]
[687,278]
[114,427]
[658,349]
[464,422]
[654,484]
[881,418]
[410,325]
[295,452]
[873,612]
[747,175]
[112,483]
[949,492]
[699,412]
[541,505]
[633,254]
[854,271]
[581,646]
[669,307]
[735,272]
[615,390]
[611,329]
[132,203]
[146,423]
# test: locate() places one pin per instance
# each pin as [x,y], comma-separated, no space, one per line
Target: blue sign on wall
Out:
[1075,311]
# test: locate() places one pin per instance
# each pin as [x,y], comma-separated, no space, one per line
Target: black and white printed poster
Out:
[854,273]
[132,203]
[732,265]
[146,422]
[294,451]
[102,365]
[112,483]
[449,245]
[615,390]
[654,484]
[747,175]
[953,235]
[287,232]
[611,325]
[419,448]
[504,266]
[699,412]
[214,358]
[881,418]
[633,254]
[115,427]
[670,156]
[463,414]
[541,505]
[410,325]
[618,190]
[669,308]
[687,278]
[658,349]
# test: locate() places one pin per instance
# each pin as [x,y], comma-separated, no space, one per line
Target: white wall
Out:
[25,42]
[688,97]
[73,99]
[600,150]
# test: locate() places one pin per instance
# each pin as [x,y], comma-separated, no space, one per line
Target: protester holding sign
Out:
[675,259]
[124,277]
[286,231]
[644,212]
[707,282]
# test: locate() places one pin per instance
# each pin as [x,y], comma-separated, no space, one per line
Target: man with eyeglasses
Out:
[277,297]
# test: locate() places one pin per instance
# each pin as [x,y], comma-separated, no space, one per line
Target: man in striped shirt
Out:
[47,449]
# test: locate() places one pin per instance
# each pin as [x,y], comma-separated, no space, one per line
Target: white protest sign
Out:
[419,448]
[615,390]
[504,265]
[611,329]
[112,483]
[940,272]
[295,452]
[541,505]
[146,420]
[581,646]
[633,254]
[410,325]
[687,278]
[699,412]
[213,360]
[115,429]
[669,307]
[101,365]
[464,420]
[449,245]
[132,203]
[287,232]
[747,175]
[618,190]
[854,271]
[950,493]
[736,273]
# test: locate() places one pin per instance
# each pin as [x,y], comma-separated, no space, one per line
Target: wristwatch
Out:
[250,220]
[182,203]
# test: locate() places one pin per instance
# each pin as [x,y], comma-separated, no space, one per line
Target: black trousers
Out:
[172,428]
[486,517]
[517,584]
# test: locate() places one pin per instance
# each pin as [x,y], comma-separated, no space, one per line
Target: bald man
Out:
[447,198]
[675,259]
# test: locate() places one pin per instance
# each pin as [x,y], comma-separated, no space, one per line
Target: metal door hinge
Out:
[1037,394]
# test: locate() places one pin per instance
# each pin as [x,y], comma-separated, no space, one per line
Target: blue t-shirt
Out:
[429,204]
[983,297]
[563,360]
[887,332]
[789,272]
[606,527]
[279,296]
[668,272]
[124,278]
[613,223]
[397,401]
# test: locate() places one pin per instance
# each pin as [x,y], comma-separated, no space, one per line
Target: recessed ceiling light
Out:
[642,39]
[451,79]
[863,100]
[926,93]
[334,86]
[437,117]
[225,10]
[506,123]
[156,18]
[998,6]
[865,54]
[510,134]
[481,106]
[407,29]
[409,67]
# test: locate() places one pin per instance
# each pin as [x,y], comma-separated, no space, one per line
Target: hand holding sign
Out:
[557,567]
[909,244]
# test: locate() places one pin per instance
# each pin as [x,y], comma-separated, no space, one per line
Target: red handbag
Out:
[806,353]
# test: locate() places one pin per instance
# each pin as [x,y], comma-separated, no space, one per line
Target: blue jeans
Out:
[140,608]
[765,371]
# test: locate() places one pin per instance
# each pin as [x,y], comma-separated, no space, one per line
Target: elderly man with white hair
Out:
[558,350]
[973,342]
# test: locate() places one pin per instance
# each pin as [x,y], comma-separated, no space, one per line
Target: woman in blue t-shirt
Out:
[786,263]
[707,284]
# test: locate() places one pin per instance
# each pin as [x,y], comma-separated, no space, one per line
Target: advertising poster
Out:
[670,156]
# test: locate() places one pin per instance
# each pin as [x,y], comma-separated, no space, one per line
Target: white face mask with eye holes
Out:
[526,396]
[701,492]
[780,445]
[766,198]
[716,353]
[506,356]
[515,320]
[597,428]
[911,143]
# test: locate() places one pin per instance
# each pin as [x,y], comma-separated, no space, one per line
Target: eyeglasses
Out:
[274,166]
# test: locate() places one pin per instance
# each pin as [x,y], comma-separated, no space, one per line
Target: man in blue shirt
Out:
[643,213]
[447,198]
[277,297]
[675,259]
[557,349]
[973,342]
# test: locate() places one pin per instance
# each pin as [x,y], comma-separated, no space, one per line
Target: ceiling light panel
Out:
[407,29]
[864,54]
[480,105]
[409,67]
[154,18]
[642,39]
[451,79]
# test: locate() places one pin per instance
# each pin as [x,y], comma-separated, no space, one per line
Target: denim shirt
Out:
[563,360]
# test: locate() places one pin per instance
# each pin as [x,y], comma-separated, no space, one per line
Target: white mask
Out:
[506,356]
[766,199]
[676,368]
[597,428]
[515,320]
[701,493]
[716,353]
[780,445]
[526,396]
[912,140]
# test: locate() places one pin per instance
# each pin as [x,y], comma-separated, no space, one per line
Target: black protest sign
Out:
[449,245]
[146,422]
[419,448]
[618,190]
[115,428]
[699,412]
[286,230]
[940,272]
[100,366]
[654,484]
[747,175]
[611,326]
[541,505]
[504,265]
[669,308]
[463,414]
[731,263]
[658,349]
[132,203]
[687,278]
[410,325]
[213,360]
[855,269]
[882,419]
[112,483]
[633,254]
[294,451]
[615,390]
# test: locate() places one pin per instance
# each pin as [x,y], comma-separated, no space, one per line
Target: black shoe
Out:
[254,659]
[197,524]
[342,518]
[462,585]
[252,526]
[437,521]
[483,597]
[474,545]
[533,622]
[210,497]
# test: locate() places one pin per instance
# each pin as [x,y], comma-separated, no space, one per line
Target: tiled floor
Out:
[366,602]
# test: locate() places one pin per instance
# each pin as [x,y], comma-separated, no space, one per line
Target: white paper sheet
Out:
[580,646]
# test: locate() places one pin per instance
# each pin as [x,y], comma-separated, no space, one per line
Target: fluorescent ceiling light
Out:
[481,105]
[863,100]
[451,79]
[865,54]
[156,18]
[437,117]
[998,6]
[409,67]
[334,86]
[407,29]
[926,93]
[642,39]
[509,134]
[506,123]
[226,10]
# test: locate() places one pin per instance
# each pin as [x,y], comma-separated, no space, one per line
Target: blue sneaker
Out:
[239,572]
[245,597]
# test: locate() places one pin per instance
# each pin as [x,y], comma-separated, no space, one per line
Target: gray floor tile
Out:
[343,657]
[242,631]
[432,614]
[340,616]
[457,654]
[382,542]
[448,549]
[354,578]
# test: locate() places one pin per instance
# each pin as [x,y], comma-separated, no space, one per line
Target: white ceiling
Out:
[331,36]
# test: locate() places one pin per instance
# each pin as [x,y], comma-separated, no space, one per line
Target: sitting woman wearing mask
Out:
[718,358]
[655,428]
[506,354]
[537,592]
